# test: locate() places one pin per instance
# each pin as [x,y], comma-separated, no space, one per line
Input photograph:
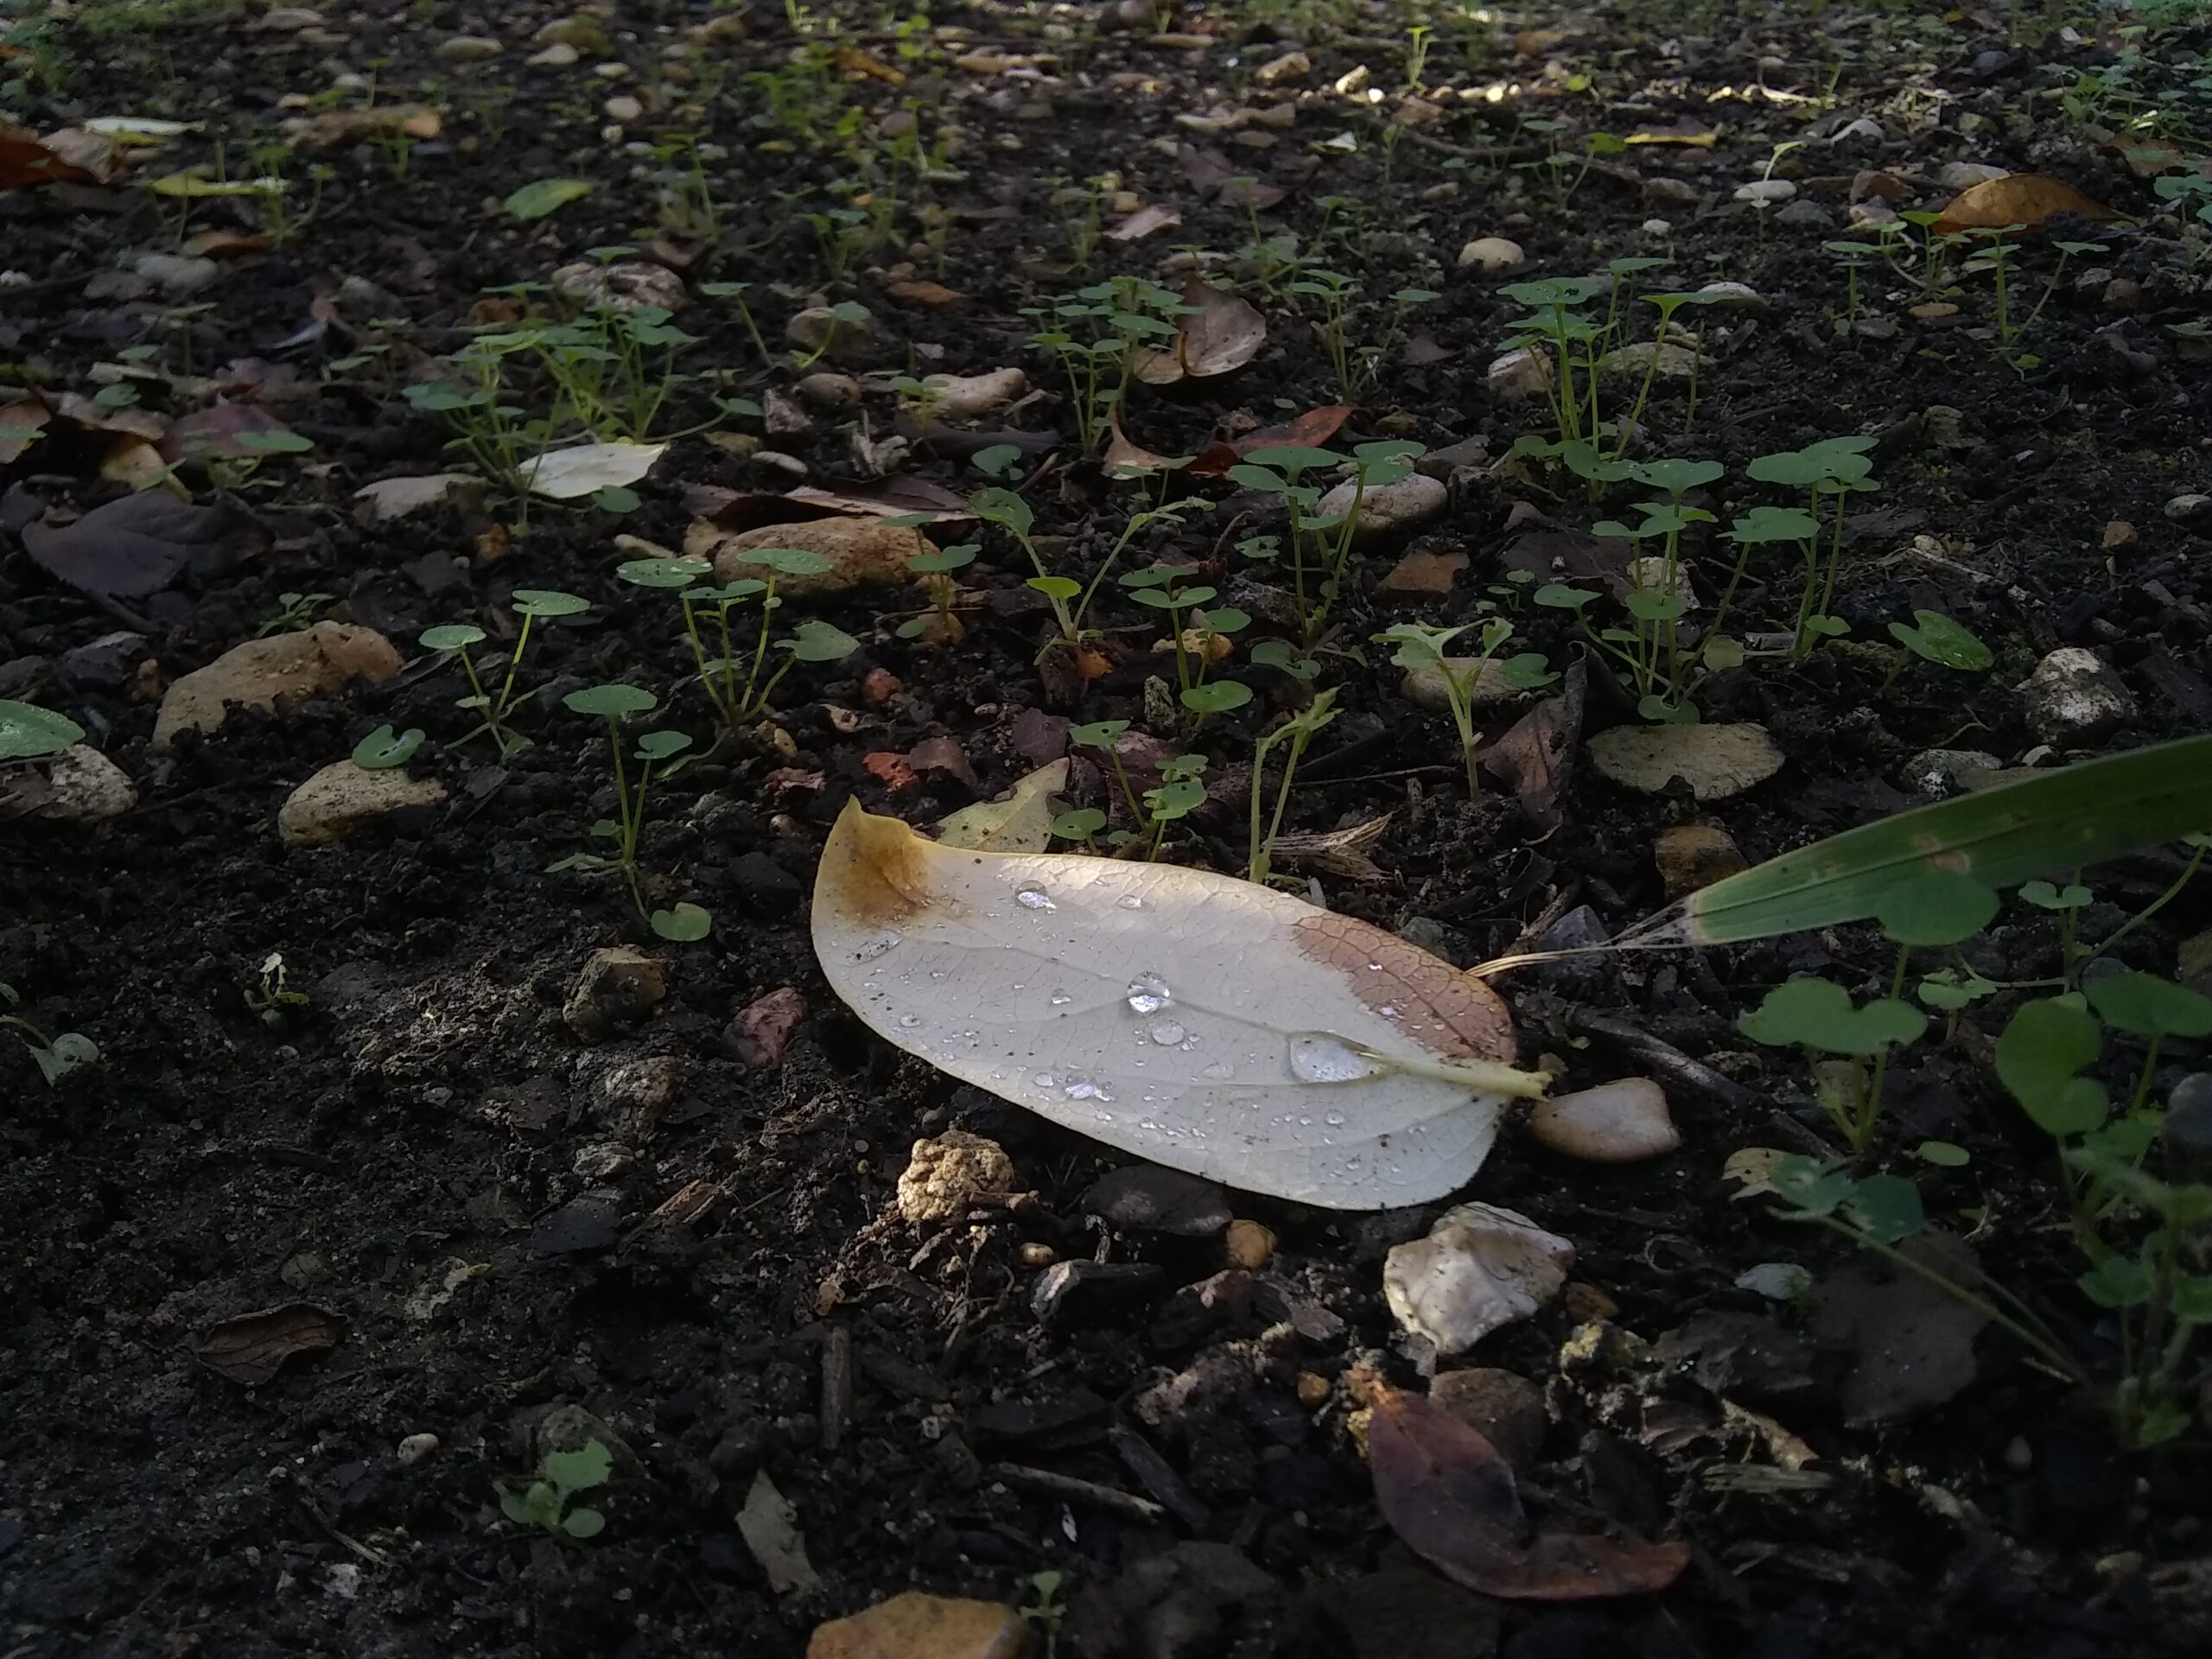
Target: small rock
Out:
[626,285]
[2119,536]
[1659,229]
[395,498]
[1946,772]
[1248,1245]
[468,49]
[584,1225]
[764,887]
[559,55]
[757,1037]
[343,797]
[2193,511]
[1282,71]
[2074,698]
[860,551]
[1394,510]
[642,1090]
[1520,375]
[1083,1290]
[1693,855]
[619,986]
[1581,929]
[256,674]
[107,664]
[1425,687]
[1717,761]
[1766,192]
[603,1161]
[1505,1407]
[1621,1123]
[1803,215]
[1481,1266]
[1491,253]
[2122,293]
[177,275]
[819,331]
[415,1448]
[827,390]
[77,785]
[1674,362]
[965,397]
[1421,575]
[624,108]
[1964,175]
[1146,1198]
[1731,296]
[578,34]
[946,1175]
[917,1625]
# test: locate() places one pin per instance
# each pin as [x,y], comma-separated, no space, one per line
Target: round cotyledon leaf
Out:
[1206,1023]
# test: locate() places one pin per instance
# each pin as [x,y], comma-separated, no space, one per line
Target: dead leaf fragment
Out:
[860,551]
[1452,1499]
[1913,1343]
[225,432]
[2023,199]
[133,546]
[1479,1268]
[1717,762]
[769,1525]
[934,296]
[1146,221]
[1220,333]
[1020,820]
[252,1348]
[25,159]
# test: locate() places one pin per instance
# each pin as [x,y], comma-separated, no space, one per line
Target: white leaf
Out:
[1020,820]
[587,468]
[1203,1022]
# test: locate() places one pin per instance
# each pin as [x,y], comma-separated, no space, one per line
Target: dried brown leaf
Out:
[2023,199]
[252,1348]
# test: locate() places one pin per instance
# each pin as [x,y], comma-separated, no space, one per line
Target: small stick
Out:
[1662,1056]
[1047,1483]
[836,1385]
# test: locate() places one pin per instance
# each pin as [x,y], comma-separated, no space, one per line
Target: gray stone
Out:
[1947,771]
[2074,697]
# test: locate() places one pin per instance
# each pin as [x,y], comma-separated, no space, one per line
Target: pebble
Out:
[578,34]
[618,986]
[468,49]
[1425,688]
[1620,1122]
[1248,1245]
[827,390]
[624,108]
[177,275]
[764,1027]
[1803,215]
[946,1174]
[2193,511]
[820,331]
[2074,698]
[1480,1267]
[77,785]
[1397,509]
[1519,376]
[1491,253]
[415,1448]
[343,797]
[559,55]
[1282,71]
[1766,191]
[1146,1198]
[915,1625]
[1693,855]
[255,674]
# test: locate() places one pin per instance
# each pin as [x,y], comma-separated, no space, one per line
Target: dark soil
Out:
[424,1148]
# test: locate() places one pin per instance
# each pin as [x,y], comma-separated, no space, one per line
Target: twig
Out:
[1070,1488]
[1662,1056]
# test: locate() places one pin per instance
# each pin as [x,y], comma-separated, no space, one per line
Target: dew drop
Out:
[1034,898]
[1103,1117]
[877,945]
[1334,1120]
[1046,1080]
[1316,1057]
[1166,1033]
[1061,999]
[1149,994]
[1130,901]
[910,1021]
[1076,1086]
[1218,1070]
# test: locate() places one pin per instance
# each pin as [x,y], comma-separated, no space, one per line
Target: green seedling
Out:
[383,748]
[1853,257]
[1045,1611]
[272,997]
[1095,336]
[942,625]
[1830,470]
[740,700]
[1104,735]
[56,1055]
[1298,732]
[549,1501]
[531,605]
[1329,539]
[1082,825]
[1421,646]
[292,613]
[1161,588]
[734,293]
[667,750]
[1182,791]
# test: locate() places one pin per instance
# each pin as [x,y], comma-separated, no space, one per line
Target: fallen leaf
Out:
[933,295]
[1536,758]
[857,60]
[1479,1268]
[1451,1499]
[586,468]
[1715,761]
[1218,334]
[1683,131]
[129,548]
[1309,430]
[227,432]
[2023,199]
[1206,1023]
[335,127]
[1020,820]
[21,422]
[1913,1344]
[208,244]
[769,1526]
[1122,456]
[252,1348]
[395,498]
[1146,221]
[26,159]
[1335,852]
[538,198]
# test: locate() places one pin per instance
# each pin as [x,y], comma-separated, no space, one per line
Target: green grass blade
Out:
[2043,826]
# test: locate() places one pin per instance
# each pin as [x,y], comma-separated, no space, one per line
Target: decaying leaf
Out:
[395,498]
[1146,221]
[1333,852]
[2022,199]
[1123,456]
[252,1348]
[131,547]
[1447,1493]
[1913,1344]
[21,422]
[1717,762]
[1309,430]
[1218,334]
[1535,757]
[26,159]
[1020,821]
[226,432]
[1203,1022]
[769,1525]
[586,468]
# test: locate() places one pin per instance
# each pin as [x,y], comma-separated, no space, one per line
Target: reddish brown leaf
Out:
[1312,429]
[933,295]
[2023,199]
[1536,758]
[225,432]
[889,768]
[762,1029]
[1447,1493]
[252,1348]
[25,159]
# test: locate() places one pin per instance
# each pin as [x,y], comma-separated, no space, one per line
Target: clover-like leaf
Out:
[547,602]
[815,641]
[2040,1056]
[685,923]
[610,702]
[664,573]
[383,748]
[1940,639]
[2149,1006]
[1216,696]
[451,636]
[1818,1015]
[788,561]
[28,732]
